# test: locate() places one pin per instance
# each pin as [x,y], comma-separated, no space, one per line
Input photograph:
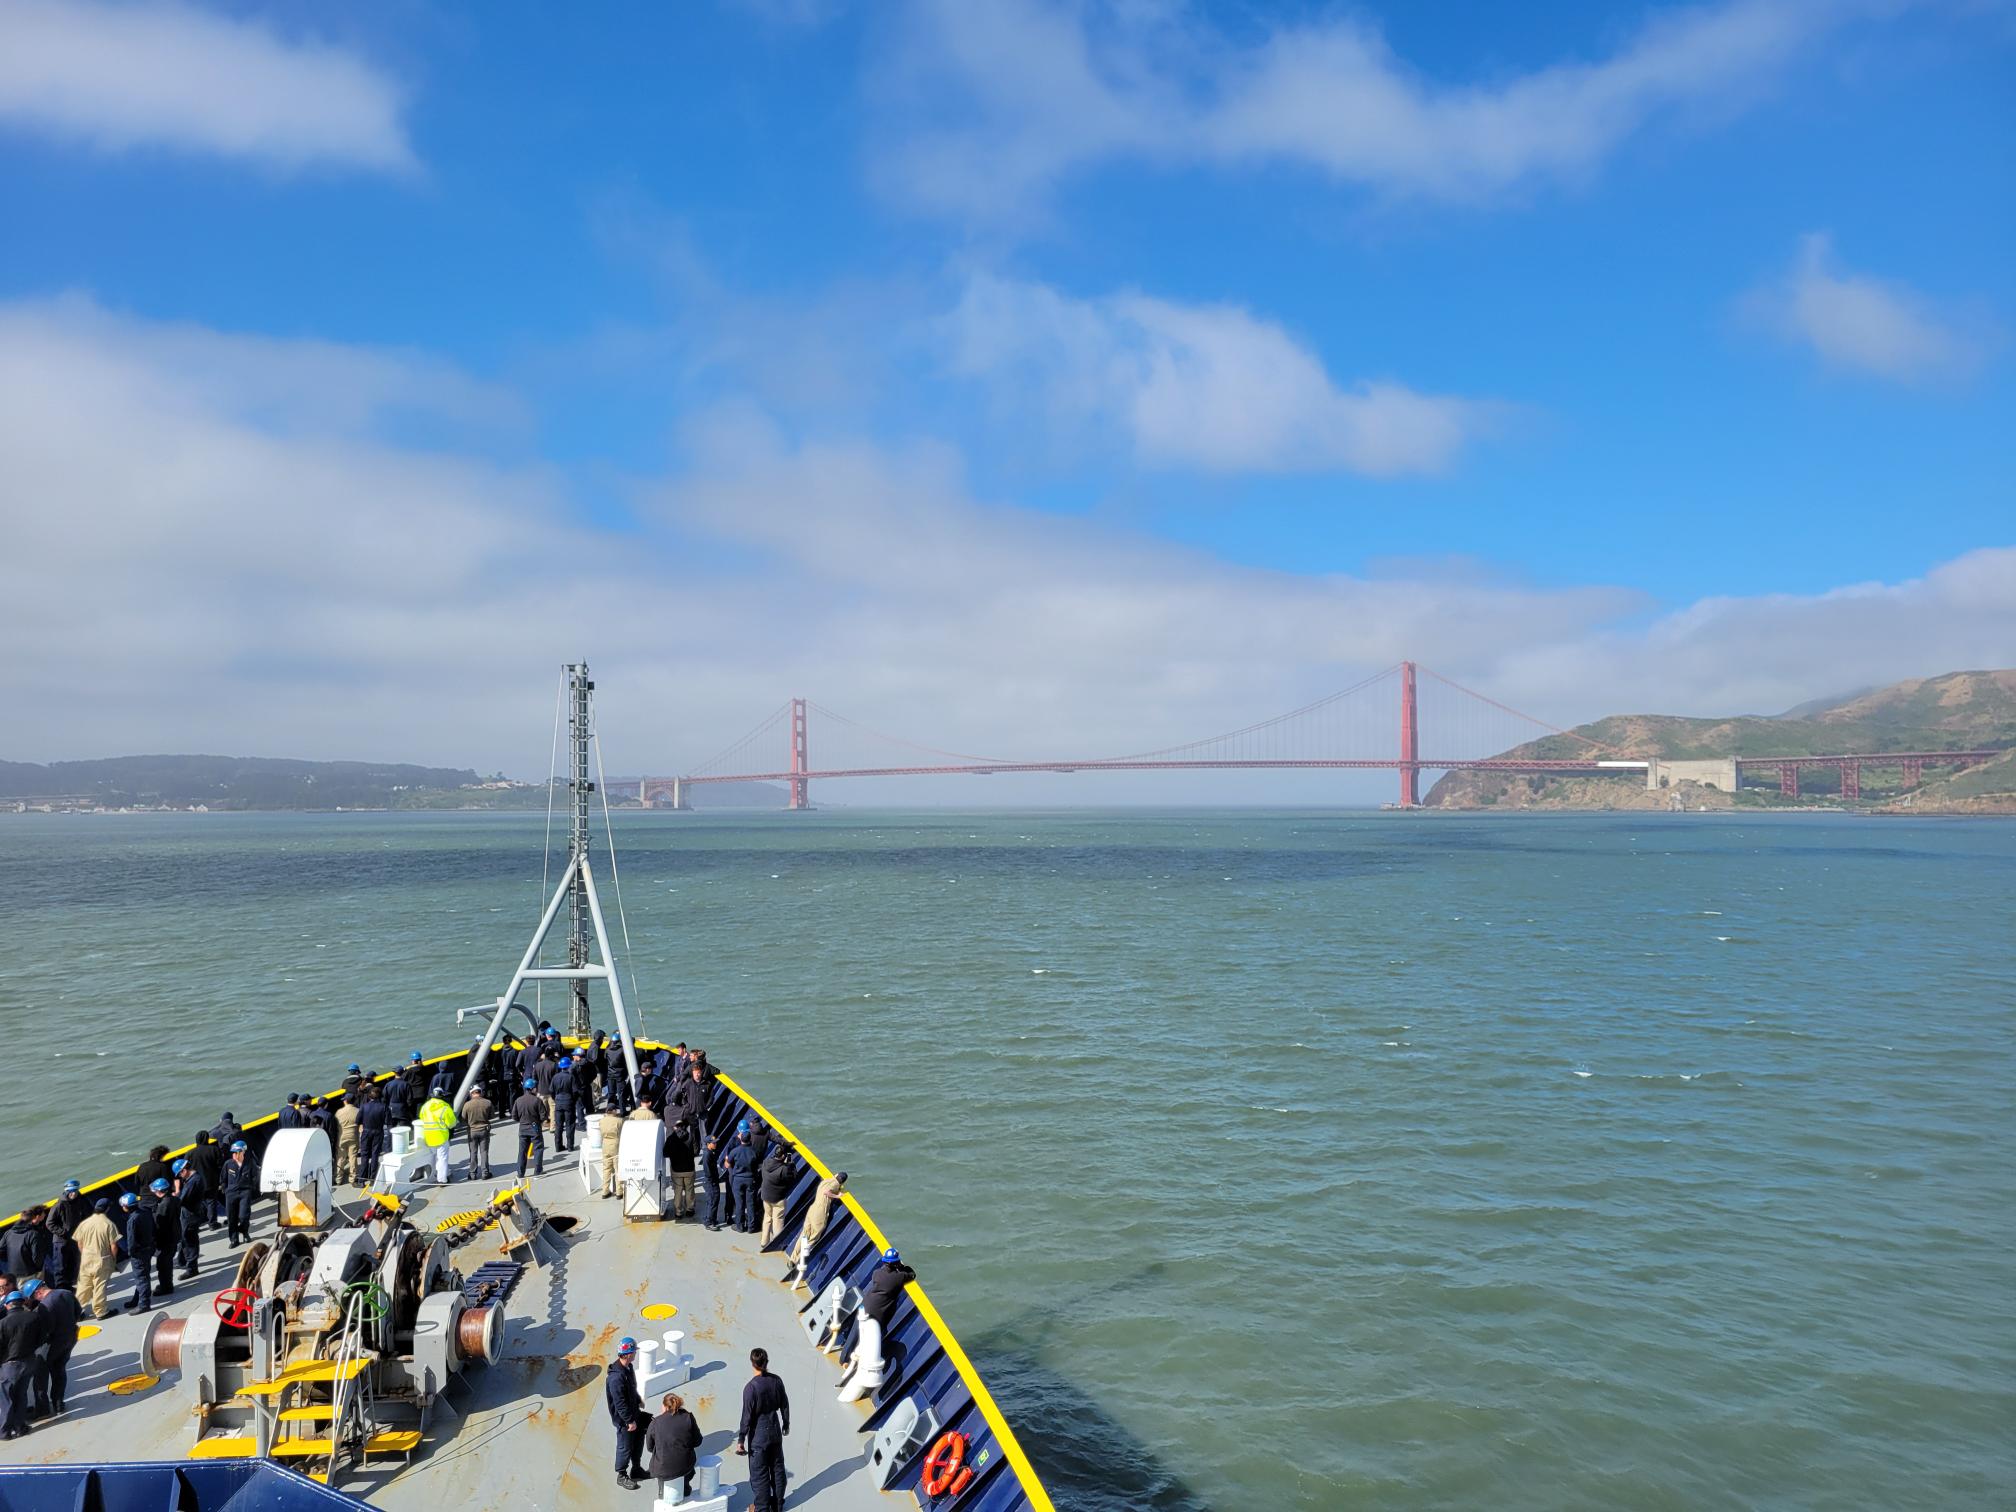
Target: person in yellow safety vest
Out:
[437,1127]
[97,1241]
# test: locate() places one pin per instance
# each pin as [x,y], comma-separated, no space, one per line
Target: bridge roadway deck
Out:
[532,1431]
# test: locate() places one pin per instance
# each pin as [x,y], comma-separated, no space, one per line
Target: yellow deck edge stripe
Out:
[1032,1484]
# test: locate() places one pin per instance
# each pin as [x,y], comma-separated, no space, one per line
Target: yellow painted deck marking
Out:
[133,1385]
[657,1312]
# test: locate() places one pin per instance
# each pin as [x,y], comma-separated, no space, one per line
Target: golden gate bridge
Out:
[1375,724]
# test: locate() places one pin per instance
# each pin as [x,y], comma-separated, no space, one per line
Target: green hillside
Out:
[1954,712]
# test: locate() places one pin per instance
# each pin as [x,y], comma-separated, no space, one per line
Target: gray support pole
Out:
[504,1003]
[615,986]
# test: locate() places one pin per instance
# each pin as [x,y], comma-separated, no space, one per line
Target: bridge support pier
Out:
[1851,780]
[1788,779]
[1912,772]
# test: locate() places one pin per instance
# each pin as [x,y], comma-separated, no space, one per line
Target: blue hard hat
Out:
[29,1288]
[127,1199]
[158,1184]
[353,1066]
[414,1056]
[10,1299]
[530,1084]
[72,1187]
[742,1127]
[179,1167]
[566,1062]
[237,1145]
[890,1257]
[626,1345]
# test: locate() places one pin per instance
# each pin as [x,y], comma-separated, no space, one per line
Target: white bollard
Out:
[865,1374]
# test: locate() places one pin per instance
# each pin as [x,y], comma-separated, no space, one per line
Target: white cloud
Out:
[991,102]
[153,73]
[188,570]
[1211,386]
[1861,324]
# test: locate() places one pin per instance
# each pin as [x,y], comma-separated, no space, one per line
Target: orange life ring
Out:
[945,1464]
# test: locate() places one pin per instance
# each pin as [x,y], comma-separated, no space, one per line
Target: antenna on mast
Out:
[579,685]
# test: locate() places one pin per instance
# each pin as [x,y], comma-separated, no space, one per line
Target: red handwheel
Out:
[234,1305]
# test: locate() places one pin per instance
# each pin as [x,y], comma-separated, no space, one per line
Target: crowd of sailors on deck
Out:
[57,1260]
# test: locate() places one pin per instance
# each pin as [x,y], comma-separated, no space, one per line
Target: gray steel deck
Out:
[532,1430]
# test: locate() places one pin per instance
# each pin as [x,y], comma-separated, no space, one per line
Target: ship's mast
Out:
[589,955]
[579,935]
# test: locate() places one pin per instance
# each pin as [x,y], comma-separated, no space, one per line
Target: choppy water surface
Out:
[1283,1160]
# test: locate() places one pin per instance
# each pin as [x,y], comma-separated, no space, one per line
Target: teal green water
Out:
[1262,1160]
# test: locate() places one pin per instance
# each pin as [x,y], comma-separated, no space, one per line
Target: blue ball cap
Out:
[101,1204]
[626,1345]
[158,1184]
[71,1188]
[237,1145]
[890,1257]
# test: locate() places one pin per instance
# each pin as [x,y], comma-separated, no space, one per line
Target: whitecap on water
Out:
[1585,1073]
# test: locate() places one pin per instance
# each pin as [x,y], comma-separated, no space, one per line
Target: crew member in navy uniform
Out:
[766,1418]
[21,1334]
[709,1161]
[190,1195]
[626,1411]
[139,1250]
[71,1209]
[562,1083]
[167,1234]
[372,1121]
[399,1102]
[241,1186]
[209,1158]
[59,1309]
[290,1116]
[742,1181]
[530,1113]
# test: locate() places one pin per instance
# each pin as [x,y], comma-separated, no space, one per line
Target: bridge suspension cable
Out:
[1516,713]
[897,740]
[737,748]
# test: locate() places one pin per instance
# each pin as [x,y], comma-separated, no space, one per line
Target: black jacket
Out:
[620,1391]
[372,1117]
[209,1159]
[530,1113]
[885,1290]
[144,1175]
[21,1333]
[58,1306]
[398,1101]
[194,1190]
[672,1442]
[26,1248]
[778,1176]
[67,1214]
[140,1233]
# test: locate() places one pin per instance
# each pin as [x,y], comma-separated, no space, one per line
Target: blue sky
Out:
[1664,351]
